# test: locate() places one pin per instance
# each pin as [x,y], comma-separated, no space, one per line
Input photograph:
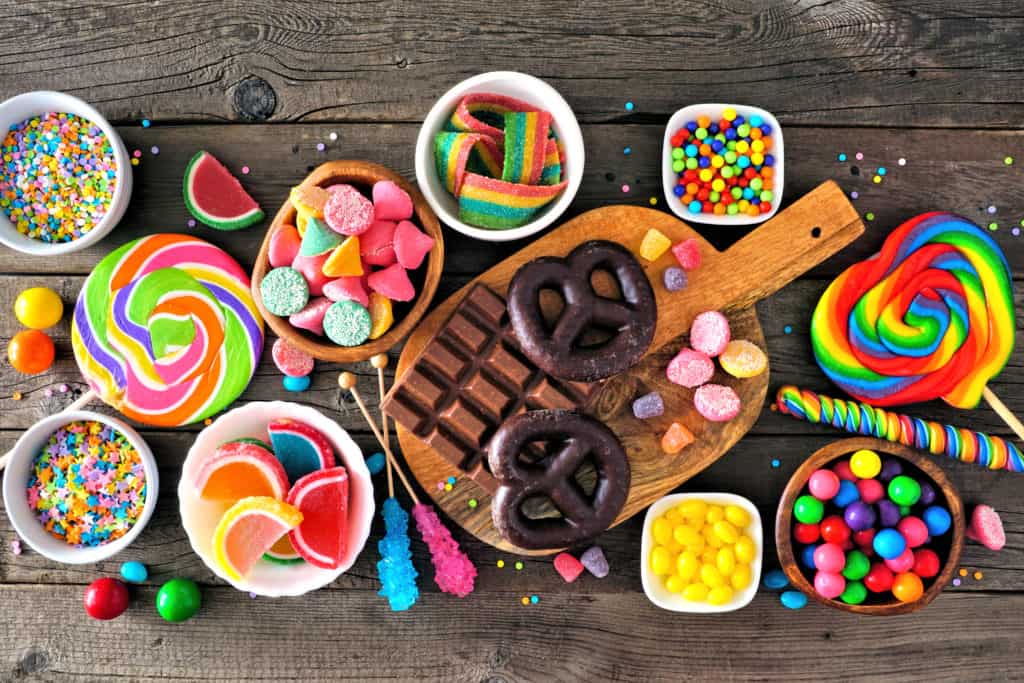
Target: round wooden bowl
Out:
[948,547]
[361,175]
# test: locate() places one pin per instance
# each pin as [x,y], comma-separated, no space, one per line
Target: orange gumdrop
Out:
[31,352]
[676,438]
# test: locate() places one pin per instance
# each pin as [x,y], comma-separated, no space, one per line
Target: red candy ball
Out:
[835,530]
[843,471]
[914,530]
[879,578]
[806,533]
[926,563]
[871,490]
[865,540]
[106,598]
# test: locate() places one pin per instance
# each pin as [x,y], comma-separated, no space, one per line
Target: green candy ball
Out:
[903,490]
[808,510]
[857,566]
[178,600]
[854,593]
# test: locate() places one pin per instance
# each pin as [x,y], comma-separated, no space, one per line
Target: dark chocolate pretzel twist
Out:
[556,351]
[580,437]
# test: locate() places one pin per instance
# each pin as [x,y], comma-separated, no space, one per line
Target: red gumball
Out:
[865,541]
[835,530]
[926,563]
[843,471]
[106,598]
[806,533]
[879,578]
[871,490]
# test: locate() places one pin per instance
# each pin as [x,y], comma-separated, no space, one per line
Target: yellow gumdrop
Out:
[686,535]
[673,516]
[740,577]
[719,595]
[726,561]
[661,561]
[693,509]
[711,538]
[687,565]
[739,517]
[714,514]
[675,584]
[745,549]
[696,592]
[661,529]
[710,576]
[654,244]
[726,531]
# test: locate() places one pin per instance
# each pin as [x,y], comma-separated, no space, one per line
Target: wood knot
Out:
[254,99]
[402,63]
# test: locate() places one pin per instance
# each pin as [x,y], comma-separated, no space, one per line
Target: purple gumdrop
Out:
[859,516]
[890,468]
[927,494]
[888,513]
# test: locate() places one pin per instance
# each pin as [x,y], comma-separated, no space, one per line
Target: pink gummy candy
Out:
[568,566]
[716,402]
[291,361]
[347,211]
[284,246]
[690,368]
[710,333]
[987,528]
[312,316]
[687,253]
[377,245]
[348,289]
[453,571]
[311,268]
[390,202]
[411,245]
[393,282]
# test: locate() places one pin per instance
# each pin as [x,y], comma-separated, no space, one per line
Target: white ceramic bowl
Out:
[200,517]
[669,177]
[23,519]
[523,87]
[40,102]
[653,584]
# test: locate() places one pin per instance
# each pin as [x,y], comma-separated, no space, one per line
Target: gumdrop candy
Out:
[690,368]
[594,560]
[411,245]
[687,253]
[284,246]
[709,333]
[393,282]
[568,567]
[390,202]
[654,244]
[676,438]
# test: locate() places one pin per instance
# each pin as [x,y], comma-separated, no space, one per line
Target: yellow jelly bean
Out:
[740,577]
[693,509]
[726,531]
[661,561]
[673,546]
[686,535]
[711,538]
[697,547]
[725,561]
[710,576]
[687,565]
[709,556]
[696,592]
[673,516]
[719,595]
[675,584]
[661,530]
[714,514]
[745,549]
[739,517]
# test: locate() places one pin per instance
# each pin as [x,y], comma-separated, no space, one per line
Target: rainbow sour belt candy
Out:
[931,315]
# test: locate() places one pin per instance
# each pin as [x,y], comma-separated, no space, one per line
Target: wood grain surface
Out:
[261,83]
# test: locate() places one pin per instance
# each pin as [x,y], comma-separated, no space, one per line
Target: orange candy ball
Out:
[31,352]
[907,587]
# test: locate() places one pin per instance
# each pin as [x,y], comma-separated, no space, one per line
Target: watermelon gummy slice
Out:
[215,197]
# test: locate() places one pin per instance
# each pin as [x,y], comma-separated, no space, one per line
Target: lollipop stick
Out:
[1002,411]
[77,404]
[380,361]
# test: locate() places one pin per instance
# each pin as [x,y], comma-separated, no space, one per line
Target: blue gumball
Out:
[847,494]
[296,383]
[807,556]
[937,520]
[889,544]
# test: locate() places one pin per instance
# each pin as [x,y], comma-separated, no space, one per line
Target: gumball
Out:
[847,545]
[854,593]
[879,578]
[834,530]
[847,493]
[38,308]
[829,585]
[914,531]
[903,562]
[808,509]
[904,510]
[864,540]
[30,352]
[178,599]
[806,533]
[843,471]
[829,558]
[903,490]
[889,544]
[937,519]
[926,563]
[807,556]
[106,598]
[857,565]
[859,515]
[823,484]
[871,490]
[927,494]
[890,468]
[888,513]
[865,464]
[907,587]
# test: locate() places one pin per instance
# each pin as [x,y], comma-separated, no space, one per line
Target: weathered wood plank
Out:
[836,63]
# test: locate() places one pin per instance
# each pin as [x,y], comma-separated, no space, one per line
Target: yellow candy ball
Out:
[739,517]
[693,509]
[865,464]
[686,535]
[745,549]
[714,514]
[740,577]
[726,531]
[661,561]
[675,584]
[38,308]
[673,516]
[719,595]
[725,561]
[696,592]
[687,565]
[710,576]
[661,530]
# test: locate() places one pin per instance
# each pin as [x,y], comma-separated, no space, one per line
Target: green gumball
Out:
[903,490]
[178,600]
[808,510]
[854,593]
[857,566]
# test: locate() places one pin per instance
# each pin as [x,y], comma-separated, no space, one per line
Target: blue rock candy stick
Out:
[397,574]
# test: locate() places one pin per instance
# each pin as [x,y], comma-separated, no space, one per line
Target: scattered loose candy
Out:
[674,278]
[178,600]
[296,384]
[31,352]
[568,567]
[716,402]
[687,253]
[376,462]
[793,599]
[709,333]
[648,406]
[38,308]
[690,368]
[775,579]
[743,359]
[595,562]
[676,438]
[106,599]
[654,244]
[291,360]
[134,572]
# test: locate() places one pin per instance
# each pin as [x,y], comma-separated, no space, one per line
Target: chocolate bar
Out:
[469,379]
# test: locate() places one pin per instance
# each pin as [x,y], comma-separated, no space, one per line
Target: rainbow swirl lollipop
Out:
[166,330]
[929,316]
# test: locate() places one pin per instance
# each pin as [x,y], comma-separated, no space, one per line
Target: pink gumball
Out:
[829,558]
[914,530]
[823,484]
[903,562]
[871,490]
[843,471]
[829,585]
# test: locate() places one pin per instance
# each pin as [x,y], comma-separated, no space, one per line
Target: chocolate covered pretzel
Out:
[557,349]
[569,439]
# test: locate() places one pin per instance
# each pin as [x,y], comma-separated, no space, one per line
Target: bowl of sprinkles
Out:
[65,175]
[722,164]
[80,486]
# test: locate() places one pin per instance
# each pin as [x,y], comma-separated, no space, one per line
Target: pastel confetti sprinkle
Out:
[135,162]
[333,136]
[87,484]
[653,201]
[191,222]
[245,170]
[320,146]
[154,150]
[137,153]
[501,564]
[519,566]
[629,106]
[472,503]
[877,179]
[870,216]
[854,194]
[525,600]
[146,123]
[447,487]
[993,226]
[788,329]
[841,157]
[859,156]
[962,572]
[1008,161]
[901,161]
[978,576]
[534,599]
[881,170]
[16,547]
[16,396]
[1015,232]
[451,480]
[625,188]
[627,150]
[63,388]
[48,392]
[991,209]
[956,582]
[776,463]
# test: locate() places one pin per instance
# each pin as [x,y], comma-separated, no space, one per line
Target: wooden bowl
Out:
[952,543]
[362,175]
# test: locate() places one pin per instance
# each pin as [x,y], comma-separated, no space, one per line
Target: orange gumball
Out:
[31,352]
[907,587]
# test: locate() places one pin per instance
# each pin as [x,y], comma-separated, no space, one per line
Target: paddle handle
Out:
[1002,411]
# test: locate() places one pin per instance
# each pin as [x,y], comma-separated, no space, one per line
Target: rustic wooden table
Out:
[260,83]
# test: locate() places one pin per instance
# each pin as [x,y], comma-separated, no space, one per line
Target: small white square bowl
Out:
[669,177]
[654,586]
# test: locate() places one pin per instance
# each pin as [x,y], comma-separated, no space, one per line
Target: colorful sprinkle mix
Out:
[901,161]
[854,194]
[245,170]
[962,572]
[858,156]
[320,146]
[993,226]
[135,162]
[627,150]
[1016,232]
[137,153]
[447,487]
[788,329]
[841,157]
[333,136]
[653,201]
[525,600]
[991,209]
[870,216]
[63,388]
[87,485]
[534,599]
[154,150]
[882,170]
[191,222]
[625,188]
[451,480]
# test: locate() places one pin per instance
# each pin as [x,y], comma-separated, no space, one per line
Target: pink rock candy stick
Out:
[453,571]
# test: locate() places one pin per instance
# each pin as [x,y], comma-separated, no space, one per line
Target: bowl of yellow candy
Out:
[701,552]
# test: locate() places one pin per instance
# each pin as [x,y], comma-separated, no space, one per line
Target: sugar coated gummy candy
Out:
[690,368]
[595,562]
[709,333]
[716,402]
[676,438]
[648,406]
[743,359]
[568,567]
[654,244]
[687,253]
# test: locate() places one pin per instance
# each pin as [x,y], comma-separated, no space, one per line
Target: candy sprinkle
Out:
[1015,232]
[627,150]
[776,463]
[245,170]
[88,484]
[870,216]
[525,600]
[901,161]
[320,146]
[1008,161]
[841,157]
[978,576]
[788,329]
[625,188]
[519,566]
[16,547]
[962,572]
[333,136]
[534,599]
[854,194]
[146,123]
[956,582]
[16,396]
[451,480]
[135,162]
[63,388]
[630,106]
[991,209]
[447,487]
[472,503]
[154,150]
[858,156]
[501,564]
[993,226]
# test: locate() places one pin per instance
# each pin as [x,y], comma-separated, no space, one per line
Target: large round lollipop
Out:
[929,316]
[166,330]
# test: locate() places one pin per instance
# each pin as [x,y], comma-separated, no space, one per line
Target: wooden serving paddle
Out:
[811,230]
